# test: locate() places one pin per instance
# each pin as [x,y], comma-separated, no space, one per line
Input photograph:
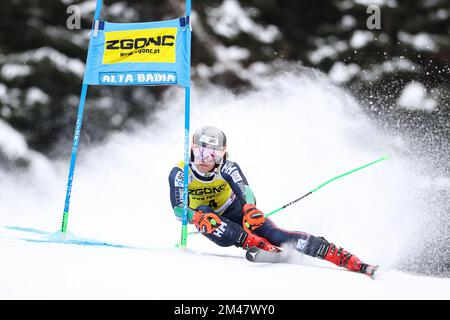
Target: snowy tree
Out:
[42,60]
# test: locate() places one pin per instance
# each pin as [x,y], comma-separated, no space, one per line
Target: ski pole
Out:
[317,188]
[324,184]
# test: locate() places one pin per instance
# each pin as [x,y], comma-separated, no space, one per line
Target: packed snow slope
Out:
[289,136]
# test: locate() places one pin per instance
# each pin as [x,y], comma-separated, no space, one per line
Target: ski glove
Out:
[253,217]
[206,222]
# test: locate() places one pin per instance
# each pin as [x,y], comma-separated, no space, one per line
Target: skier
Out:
[223,208]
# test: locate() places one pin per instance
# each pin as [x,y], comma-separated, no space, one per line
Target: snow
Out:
[321,53]
[79,37]
[203,71]
[345,4]
[108,273]
[13,147]
[229,19]
[398,64]
[442,14]
[11,71]
[361,38]
[326,50]
[348,22]
[36,95]
[3,92]
[104,102]
[12,144]
[120,9]
[414,97]
[5,112]
[229,58]
[389,67]
[61,61]
[10,96]
[341,73]
[258,68]
[390,3]
[231,54]
[88,6]
[421,41]
[121,195]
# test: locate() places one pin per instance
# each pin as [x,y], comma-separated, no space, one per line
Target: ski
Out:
[258,255]
[255,254]
[370,270]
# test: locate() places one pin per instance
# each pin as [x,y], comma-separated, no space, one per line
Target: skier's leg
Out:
[302,241]
[230,233]
[340,257]
[310,245]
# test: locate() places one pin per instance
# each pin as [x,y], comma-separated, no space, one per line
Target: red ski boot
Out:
[252,240]
[342,258]
[339,257]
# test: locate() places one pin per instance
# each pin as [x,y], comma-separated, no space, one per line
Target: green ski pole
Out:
[324,184]
[319,187]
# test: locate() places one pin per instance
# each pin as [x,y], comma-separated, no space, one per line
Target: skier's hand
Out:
[253,217]
[206,222]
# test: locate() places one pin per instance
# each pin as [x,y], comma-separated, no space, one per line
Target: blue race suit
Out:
[224,191]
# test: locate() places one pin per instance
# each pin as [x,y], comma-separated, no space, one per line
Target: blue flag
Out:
[133,54]
[147,53]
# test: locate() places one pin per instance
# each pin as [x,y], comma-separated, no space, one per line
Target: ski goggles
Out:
[207,155]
